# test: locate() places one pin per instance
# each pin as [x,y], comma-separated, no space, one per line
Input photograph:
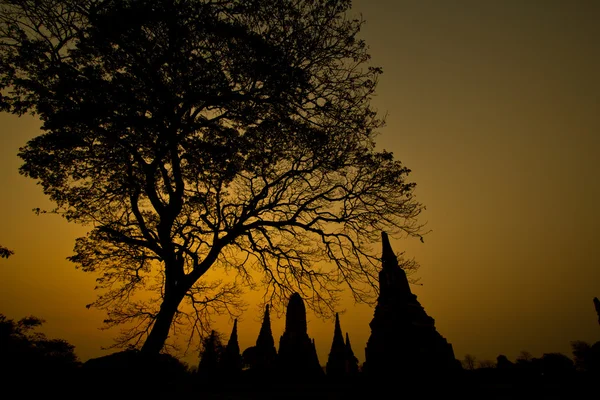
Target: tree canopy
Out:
[4,252]
[197,135]
[24,351]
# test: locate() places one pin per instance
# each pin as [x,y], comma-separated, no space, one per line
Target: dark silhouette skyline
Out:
[404,345]
[404,340]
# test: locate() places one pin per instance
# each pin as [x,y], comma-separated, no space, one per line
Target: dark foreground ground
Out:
[124,384]
[132,375]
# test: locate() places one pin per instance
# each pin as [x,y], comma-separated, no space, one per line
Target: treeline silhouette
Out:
[39,365]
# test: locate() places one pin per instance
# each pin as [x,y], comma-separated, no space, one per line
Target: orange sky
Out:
[495,106]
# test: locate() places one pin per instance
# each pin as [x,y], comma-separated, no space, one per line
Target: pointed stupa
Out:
[403,337]
[232,359]
[297,353]
[351,360]
[265,336]
[392,278]
[336,362]
[233,338]
[265,352]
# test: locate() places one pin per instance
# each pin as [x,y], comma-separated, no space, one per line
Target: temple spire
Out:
[388,257]
[392,278]
[232,359]
[295,317]
[336,362]
[351,360]
[265,344]
[297,352]
[404,340]
[338,337]
[348,345]
[233,339]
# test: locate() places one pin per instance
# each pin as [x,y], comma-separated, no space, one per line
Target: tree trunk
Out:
[160,330]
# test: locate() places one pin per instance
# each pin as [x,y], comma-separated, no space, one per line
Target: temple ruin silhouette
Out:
[403,341]
[297,352]
[263,356]
[403,338]
[341,362]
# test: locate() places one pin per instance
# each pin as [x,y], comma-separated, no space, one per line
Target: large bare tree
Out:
[206,135]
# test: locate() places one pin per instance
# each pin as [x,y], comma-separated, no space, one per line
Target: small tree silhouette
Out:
[209,368]
[585,356]
[24,350]
[469,362]
[5,253]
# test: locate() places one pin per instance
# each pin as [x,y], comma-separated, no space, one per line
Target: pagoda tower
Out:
[336,363]
[403,338]
[265,354]
[351,360]
[232,359]
[341,362]
[297,352]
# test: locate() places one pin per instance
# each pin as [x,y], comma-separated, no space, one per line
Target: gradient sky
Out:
[495,106]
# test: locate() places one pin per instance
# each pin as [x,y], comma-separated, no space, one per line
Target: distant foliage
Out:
[211,356]
[469,362]
[5,253]
[585,356]
[22,348]
[556,364]
[486,364]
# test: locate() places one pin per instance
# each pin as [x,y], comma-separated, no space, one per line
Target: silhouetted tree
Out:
[486,364]
[132,372]
[502,362]
[556,365]
[197,134]
[23,350]
[211,356]
[524,356]
[5,253]
[585,356]
[469,362]
[249,357]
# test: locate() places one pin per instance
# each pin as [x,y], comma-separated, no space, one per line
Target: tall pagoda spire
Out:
[351,360]
[336,363]
[265,344]
[232,359]
[392,278]
[403,338]
[233,338]
[265,336]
